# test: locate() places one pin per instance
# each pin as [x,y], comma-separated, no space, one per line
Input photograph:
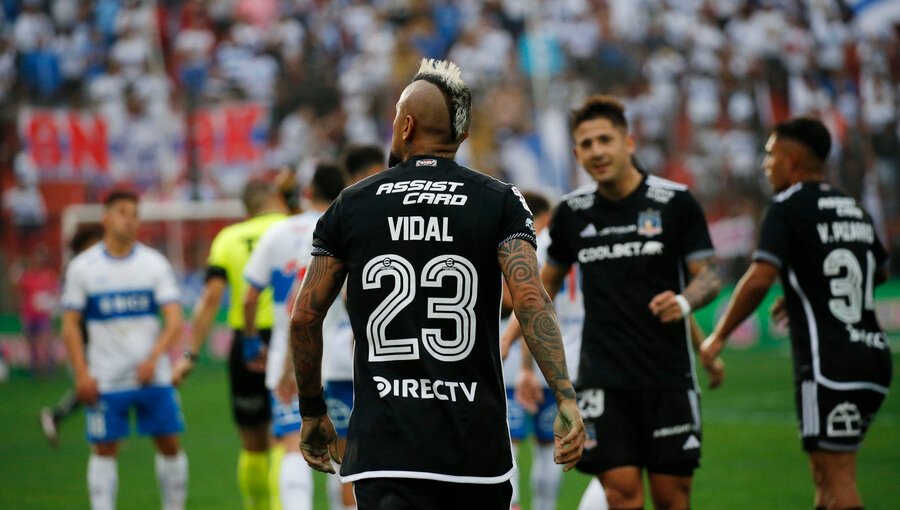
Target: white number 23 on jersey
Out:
[459,308]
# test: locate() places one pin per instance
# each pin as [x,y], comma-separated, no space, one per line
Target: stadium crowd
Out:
[702,81]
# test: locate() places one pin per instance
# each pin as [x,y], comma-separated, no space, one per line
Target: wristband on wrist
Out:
[683,304]
[188,355]
[313,406]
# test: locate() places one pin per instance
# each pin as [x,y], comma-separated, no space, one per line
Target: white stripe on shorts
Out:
[810,409]
[695,408]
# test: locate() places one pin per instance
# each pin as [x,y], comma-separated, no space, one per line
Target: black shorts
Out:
[654,429]
[834,420]
[415,494]
[250,403]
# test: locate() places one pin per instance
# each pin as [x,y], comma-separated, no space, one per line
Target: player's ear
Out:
[409,128]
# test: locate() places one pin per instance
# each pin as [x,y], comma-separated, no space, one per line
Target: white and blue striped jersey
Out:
[279,260]
[120,298]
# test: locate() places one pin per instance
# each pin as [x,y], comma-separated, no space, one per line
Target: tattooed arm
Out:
[537,318]
[702,289]
[324,279]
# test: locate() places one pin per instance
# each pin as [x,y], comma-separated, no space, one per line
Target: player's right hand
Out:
[568,434]
[318,443]
[254,352]
[86,390]
[778,311]
[181,370]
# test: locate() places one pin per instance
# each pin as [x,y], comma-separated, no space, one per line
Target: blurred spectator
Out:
[23,203]
[38,294]
[703,81]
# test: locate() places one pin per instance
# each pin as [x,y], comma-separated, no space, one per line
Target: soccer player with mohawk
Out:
[422,247]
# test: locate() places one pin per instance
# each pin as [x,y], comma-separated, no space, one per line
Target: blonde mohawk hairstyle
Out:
[447,76]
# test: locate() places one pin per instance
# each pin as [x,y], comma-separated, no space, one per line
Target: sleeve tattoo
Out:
[537,317]
[324,279]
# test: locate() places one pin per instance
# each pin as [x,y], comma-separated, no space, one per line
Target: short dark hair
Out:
[808,131]
[357,158]
[120,194]
[536,202]
[327,181]
[86,235]
[599,106]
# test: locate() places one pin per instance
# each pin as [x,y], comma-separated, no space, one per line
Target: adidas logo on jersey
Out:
[691,443]
[425,389]
[589,231]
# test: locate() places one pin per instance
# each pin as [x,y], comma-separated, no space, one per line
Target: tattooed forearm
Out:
[323,281]
[705,285]
[534,309]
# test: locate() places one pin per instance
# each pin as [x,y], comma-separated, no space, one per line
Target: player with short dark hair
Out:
[280,256]
[646,261]
[119,286]
[824,247]
[422,247]
[251,408]
[361,161]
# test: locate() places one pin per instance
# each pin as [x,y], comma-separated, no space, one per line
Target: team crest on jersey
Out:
[426,162]
[649,223]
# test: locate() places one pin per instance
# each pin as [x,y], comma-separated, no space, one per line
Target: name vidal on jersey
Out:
[417,228]
[424,389]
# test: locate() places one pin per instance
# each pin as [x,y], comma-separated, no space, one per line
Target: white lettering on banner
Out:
[417,228]
[619,250]
[425,389]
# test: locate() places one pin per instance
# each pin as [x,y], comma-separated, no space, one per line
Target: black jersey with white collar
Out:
[629,251]
[828,252]
[420,243]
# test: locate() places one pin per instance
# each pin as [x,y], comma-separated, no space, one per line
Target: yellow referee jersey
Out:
[230,251]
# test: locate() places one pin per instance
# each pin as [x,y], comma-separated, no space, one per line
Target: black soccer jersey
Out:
[629,251]
[825,246]
[420,243]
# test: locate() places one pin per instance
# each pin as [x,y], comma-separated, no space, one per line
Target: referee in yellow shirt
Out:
[250,403]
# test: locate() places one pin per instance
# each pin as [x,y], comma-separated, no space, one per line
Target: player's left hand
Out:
[568,434]
[716,372]
[665,307]
[710,349]
[318,443]
[145,371]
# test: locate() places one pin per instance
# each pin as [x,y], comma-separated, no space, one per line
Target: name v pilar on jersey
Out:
[828,253]
[629,251]
[420,245]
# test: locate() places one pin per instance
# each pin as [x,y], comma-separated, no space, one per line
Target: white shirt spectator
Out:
[32,30]
[132,52]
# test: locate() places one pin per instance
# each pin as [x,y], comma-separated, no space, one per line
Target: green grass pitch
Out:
[751,452]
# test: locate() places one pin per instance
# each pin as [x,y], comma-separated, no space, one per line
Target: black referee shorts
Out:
[415,494]
[250,402]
